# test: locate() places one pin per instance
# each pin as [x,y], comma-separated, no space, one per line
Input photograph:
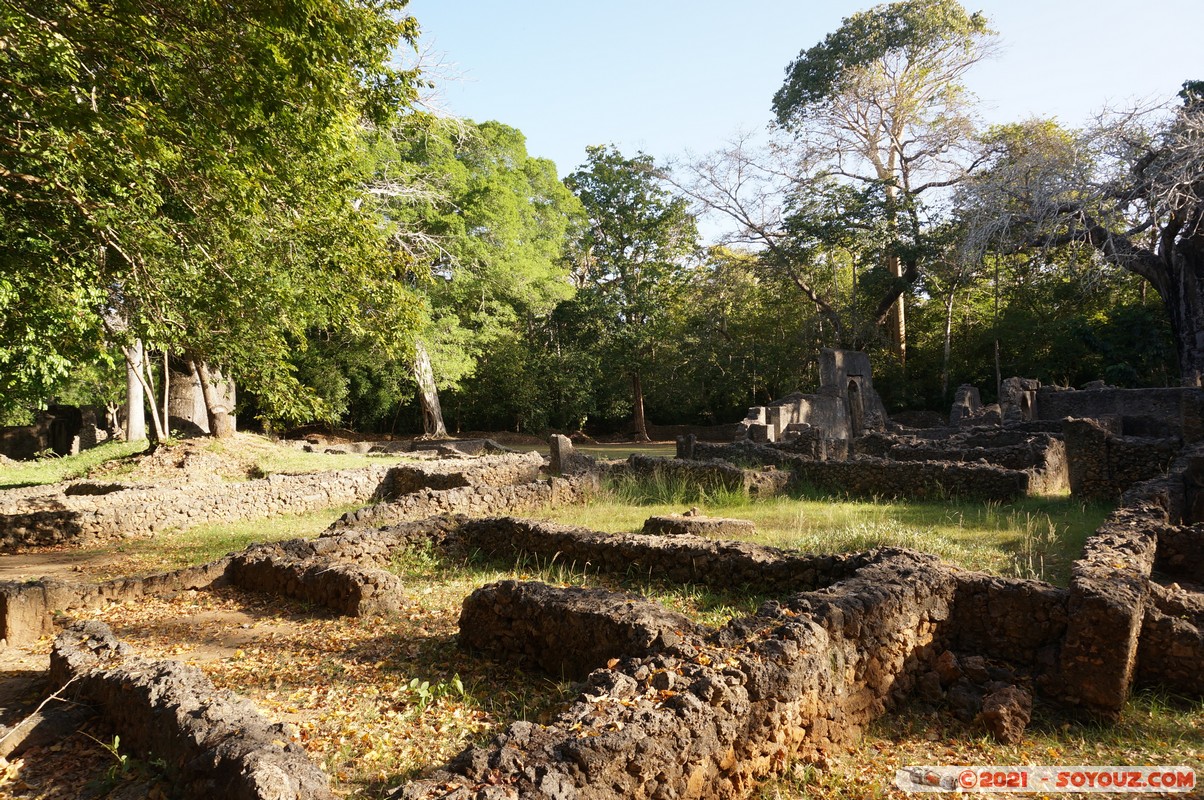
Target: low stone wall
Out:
[472,500]
[27,609]
[344,587]
[865,476]
[1021,622]
[1102,464]
[1171,648]
[710,716]
[62,517]
[1181,552]
[723,565]
[1042,456]
[503,470]
[570,632]
[214,743]
[708,475]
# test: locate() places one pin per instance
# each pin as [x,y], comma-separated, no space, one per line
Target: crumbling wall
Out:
[473,500]
[503,470]
[865,476]
[1171,648]
[1174,411]
[348,588]
[709,716]
[61,517]
[214,743]
[1102,464]
[27,608]
[707,475]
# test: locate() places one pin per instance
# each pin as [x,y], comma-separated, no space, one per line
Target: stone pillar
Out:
[562,453]
[685,446]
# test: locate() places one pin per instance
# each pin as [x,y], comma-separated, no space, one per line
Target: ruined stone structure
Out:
[216,743]
[673,708]
[62,430]
[845,407]
[84,512]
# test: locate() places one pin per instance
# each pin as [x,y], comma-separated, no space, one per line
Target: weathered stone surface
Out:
[215,742]
[350,589]
[62,515]
[564,458]
[1102,464]
[695,525]
[1006,713]
[717,713]
[570,632]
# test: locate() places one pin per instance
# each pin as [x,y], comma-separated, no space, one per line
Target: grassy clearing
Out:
[269,458]
[55,469]
[1030,538]
[183,548]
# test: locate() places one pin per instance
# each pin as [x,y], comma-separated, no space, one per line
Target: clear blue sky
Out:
[666,76]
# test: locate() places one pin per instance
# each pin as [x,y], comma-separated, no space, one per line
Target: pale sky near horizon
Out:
[670,76]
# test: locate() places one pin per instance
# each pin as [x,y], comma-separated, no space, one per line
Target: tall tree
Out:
[881,101]
[485,225]
[183,169]
[1130,188]
[631,256]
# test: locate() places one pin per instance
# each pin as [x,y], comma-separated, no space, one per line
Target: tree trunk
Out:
[428,394]
[637,391]
[1182,295]
[135,397]
[896,320]
[948,344]
[221,424]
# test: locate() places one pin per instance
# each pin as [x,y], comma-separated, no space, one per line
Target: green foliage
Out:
[630,260]
[869,37]
[180,173]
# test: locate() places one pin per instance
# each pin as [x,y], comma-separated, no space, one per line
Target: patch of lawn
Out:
[176,549]
[56,469]
[1030,538]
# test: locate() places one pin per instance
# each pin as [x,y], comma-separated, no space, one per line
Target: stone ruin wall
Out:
[1102,463]
[86,513]
[849,636]
[986,464]
[709,712]
[215,743]
[64,516]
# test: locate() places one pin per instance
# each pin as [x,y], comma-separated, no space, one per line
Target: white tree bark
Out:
[135,397]
[428,393]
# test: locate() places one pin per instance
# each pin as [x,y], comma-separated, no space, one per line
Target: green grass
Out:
[175,549]
[1029,538]
[55,469]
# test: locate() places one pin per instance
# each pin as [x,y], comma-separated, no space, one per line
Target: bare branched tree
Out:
[1131,186]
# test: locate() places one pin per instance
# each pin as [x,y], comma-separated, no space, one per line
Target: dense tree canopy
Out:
[180,173]
[248,188]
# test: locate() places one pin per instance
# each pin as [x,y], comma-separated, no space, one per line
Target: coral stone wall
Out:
[62,517]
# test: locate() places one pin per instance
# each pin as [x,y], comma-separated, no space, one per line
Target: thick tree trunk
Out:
[135,397]
[637,392]
[428,394]
[1183,297]
[221,423]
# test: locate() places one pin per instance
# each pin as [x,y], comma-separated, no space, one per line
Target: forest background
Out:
[268,193]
